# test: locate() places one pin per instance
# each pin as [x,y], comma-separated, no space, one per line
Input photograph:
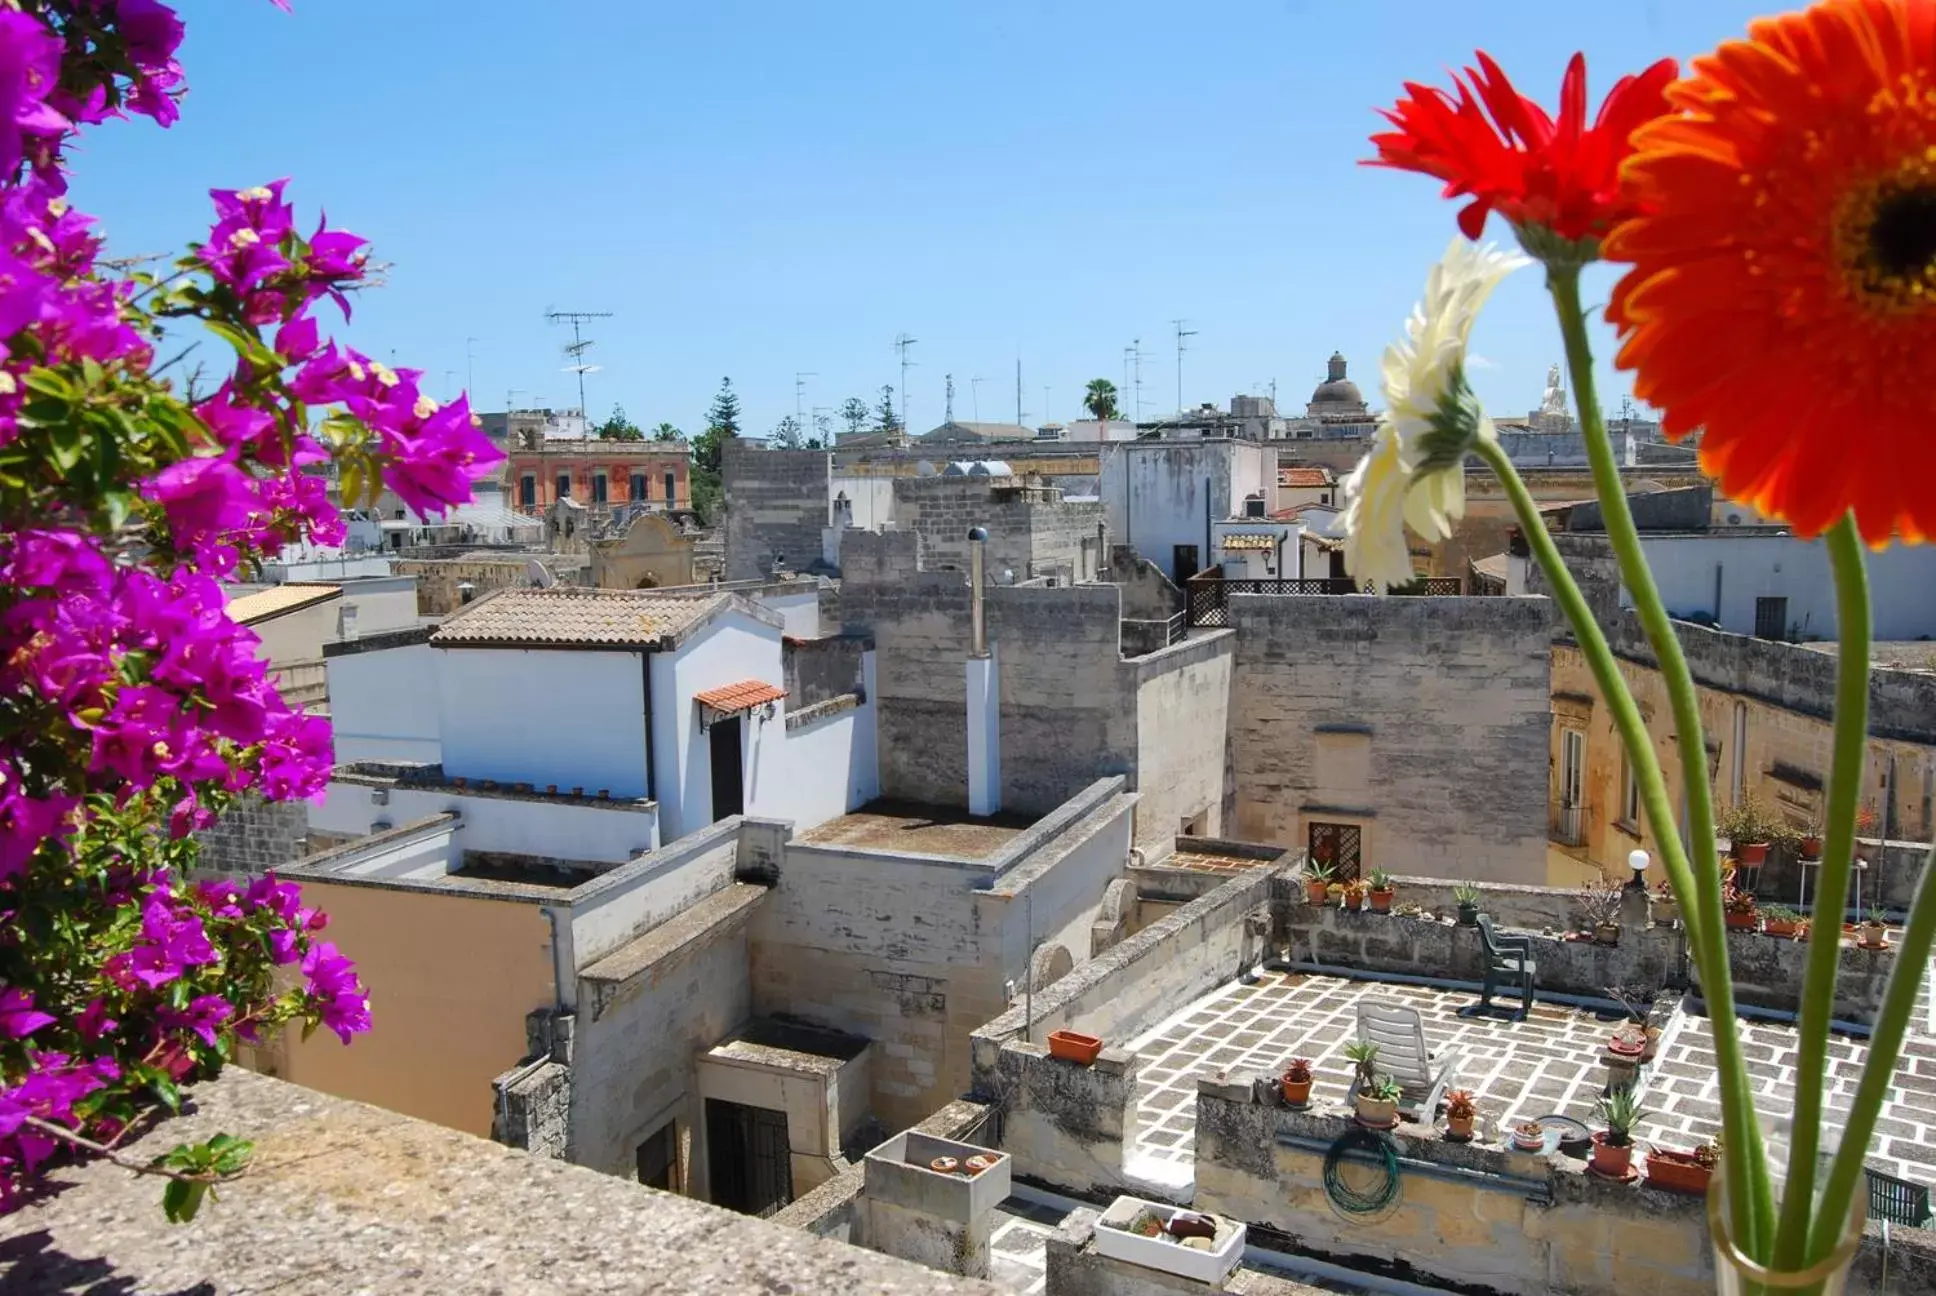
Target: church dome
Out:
[1336,389]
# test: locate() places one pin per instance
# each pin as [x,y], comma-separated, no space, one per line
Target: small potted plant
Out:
[1682,1172]
[1295,1083]
[1665,907]
[1317,877]
[1780,920]
[1613,1146]
[1353,899]
[1380,890]
[1467,897]
[1334,894]
[1529,1136]
[1601,901]
[1461,1110]
[1073,1046]
[1378,1102]
[1809,841]
[1738,909]
[1749,829]
[1870,934]
[1628,1042]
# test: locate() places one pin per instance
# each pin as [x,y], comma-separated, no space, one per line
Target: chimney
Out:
[984,690]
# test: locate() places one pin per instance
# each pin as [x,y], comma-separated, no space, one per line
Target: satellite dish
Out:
[538,574]
[924,469]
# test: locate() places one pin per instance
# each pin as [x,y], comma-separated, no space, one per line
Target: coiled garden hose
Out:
[1362,1147]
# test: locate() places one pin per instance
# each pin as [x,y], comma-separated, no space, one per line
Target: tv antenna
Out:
[949,387]
[470,364]
[576,349]
[902,342]
[800,397]
[1182,332]
[1133,354]
[974,394]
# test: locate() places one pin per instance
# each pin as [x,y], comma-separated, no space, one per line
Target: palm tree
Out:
[666,432]
[1101,399]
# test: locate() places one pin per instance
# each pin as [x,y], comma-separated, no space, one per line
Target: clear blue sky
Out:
[759,189]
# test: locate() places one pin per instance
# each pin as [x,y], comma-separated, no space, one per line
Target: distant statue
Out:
[1554,401]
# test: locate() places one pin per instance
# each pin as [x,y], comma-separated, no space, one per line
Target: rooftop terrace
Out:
[915,829]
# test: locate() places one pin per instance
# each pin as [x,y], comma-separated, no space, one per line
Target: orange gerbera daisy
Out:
[1783,290]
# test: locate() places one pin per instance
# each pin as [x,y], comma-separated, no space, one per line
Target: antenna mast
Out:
[974,394]
[1018,393]
[576,349]
[1181,333]
[800,396]
[949,380]
[901,344]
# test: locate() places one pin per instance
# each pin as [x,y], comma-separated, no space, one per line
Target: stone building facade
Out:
[1413,730]
[777,506]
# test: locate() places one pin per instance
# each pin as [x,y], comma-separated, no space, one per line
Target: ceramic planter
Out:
[1742,921]
[1872,935]
[1211,1266]
[1381,1112]
[1314,892]
[1074,1047]
[1614,1160]
[1296,1092]
[1666,911]
[1749,854]
[1787,928]
[1354,902]
[1459,1127]
[1468,915]
[1811,848]
[1607,933]
[1381,900]
[1533,1140]
[1678,1172]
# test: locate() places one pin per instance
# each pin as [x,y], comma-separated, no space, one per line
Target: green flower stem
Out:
[1750,1197]
[1878,1072]
[1599,660]
[1792,1239]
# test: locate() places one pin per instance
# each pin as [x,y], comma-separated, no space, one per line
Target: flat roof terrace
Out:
[912,828]
[1517,1070]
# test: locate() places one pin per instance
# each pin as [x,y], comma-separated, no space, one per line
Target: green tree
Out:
[666,432]
[618,427]
[823,433]
[723,417]
[1100,399]
[853,412]
[884,420]
[786,434]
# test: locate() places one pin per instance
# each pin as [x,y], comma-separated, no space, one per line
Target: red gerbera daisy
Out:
[1782,294]
[1562,176]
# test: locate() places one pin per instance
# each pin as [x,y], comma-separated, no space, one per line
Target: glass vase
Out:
[1736,1275]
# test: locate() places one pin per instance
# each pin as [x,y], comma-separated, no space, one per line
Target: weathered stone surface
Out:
[254,835]
[343,1197]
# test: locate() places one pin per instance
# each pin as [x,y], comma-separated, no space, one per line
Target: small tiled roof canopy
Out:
[743,696]
[567,617]
[1302,476]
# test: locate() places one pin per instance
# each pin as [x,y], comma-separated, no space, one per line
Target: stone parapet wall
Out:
[777,505]
[255,835]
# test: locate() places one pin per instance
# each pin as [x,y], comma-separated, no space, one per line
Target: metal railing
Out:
[1207,596]
[1567,824]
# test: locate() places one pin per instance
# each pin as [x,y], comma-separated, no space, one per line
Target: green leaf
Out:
[231,1158]
[247,345]
[167,1090]
[181,1199]
[51,384]
[66,445]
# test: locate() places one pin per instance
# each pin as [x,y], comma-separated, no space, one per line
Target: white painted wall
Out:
[1902,582]
[1160,494]
[799,608]
[647,891]
[383,705]
[297,636]
[515,825]
[1255,563]
[381,604]
[819,771]
[543,716]
[871,499]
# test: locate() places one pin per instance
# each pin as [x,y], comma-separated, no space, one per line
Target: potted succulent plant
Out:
[1461,1110]
[1665,907]
[1317,877]
[1613,1146]
[1601,903]
[1809,841]
[1529,1136]
[1467,897]
[1870,933]
[1629,1042]
[1295,1083]
[1363,1056]
[1380,890]
[1378,1102]
[1334,894]
[1738,909]
[1353,898]
[1780,920]
[1748,828]
[1682,1172]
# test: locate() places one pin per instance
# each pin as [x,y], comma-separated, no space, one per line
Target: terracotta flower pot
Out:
[1680,1172]
[1607,933]
[1614,1160]
[1750,854]
[1742,921]
[1296,1092]
[1381,900]
[1354,903]
[1786,928]
[1381,1112]
[1872,935]
[1811,848]
[1314,892]
[1460,1126]
[1074,1046]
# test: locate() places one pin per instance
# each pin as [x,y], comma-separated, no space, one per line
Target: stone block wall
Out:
[1031,531]
[438,578]
[255,835]
[1064,1123]
[1424,721]
[819,670]
[1147,593]
[777,505]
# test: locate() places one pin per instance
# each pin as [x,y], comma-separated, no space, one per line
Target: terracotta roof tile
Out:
[247,609]
[1305,477]
[568,617]
[741,696]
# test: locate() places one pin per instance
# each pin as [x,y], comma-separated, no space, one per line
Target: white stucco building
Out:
[1164,498]
[1777,585]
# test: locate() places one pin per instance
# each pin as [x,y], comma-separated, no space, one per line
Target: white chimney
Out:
[984,692]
